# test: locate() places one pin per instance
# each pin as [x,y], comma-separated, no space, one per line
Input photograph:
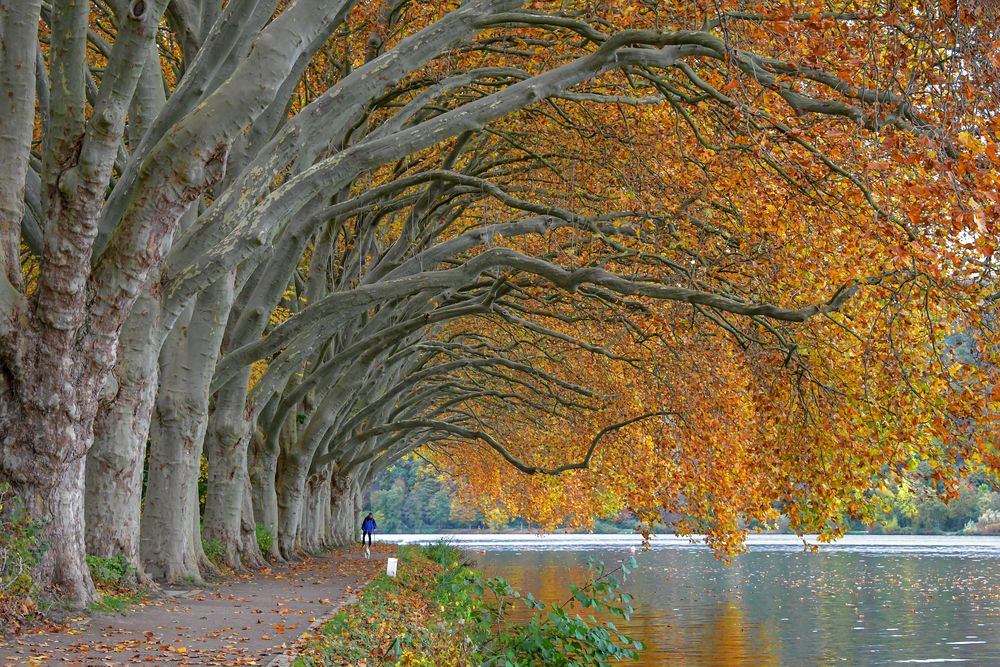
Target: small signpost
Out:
[390,567]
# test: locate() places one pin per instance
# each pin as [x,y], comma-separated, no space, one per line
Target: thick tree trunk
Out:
[249,551]
[115,461]
[264,495]
[291,489]
[224,499]
[312,529]
[44,438]
[171,550]
[42,458]
[63,570]
[345,503]
[169,530]
[170,535]
[226,443]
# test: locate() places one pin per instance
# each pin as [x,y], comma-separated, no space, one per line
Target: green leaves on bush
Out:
[21,545]
[443,554]
[112,572]
[21,548]
[264,539]
[214,551]
[118,583]
[553,635]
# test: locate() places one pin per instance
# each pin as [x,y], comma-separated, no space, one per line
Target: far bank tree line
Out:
[413,497]
[587,255]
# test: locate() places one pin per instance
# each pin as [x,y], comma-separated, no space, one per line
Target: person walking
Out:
[368,527]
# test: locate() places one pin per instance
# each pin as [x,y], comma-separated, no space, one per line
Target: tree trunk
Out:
[170,549]
[309,515]
[115,461]
[264,496]
[170,535]
[226,443]
[344,506]
[313,528]
[63,569]
[323,520]
[43,445]
[44,438]
[291,487]
[249,550]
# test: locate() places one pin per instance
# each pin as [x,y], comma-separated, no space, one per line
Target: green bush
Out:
[21,548]
[264,539]
[21,545]
[443,554]
[113,572]
[553,636]
[214,551]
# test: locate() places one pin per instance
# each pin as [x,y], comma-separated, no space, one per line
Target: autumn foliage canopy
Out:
[822,153]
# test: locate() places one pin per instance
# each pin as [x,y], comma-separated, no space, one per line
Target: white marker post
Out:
[390,567]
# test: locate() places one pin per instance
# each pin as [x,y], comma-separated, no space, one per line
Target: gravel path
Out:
[247,620]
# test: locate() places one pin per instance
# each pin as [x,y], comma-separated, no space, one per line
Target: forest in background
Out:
[413,496]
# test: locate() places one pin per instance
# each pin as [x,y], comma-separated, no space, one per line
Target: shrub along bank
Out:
[439,612]
[21,547]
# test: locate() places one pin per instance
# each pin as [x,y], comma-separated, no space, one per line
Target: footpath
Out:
[251,619]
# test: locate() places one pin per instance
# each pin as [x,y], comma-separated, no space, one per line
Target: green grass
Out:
[395,617]
[117,603]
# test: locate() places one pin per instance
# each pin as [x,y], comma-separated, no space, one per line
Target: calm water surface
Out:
[864,601]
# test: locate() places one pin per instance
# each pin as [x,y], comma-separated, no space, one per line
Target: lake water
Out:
[866,600]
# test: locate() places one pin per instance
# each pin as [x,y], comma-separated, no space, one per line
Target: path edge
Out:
[285,659]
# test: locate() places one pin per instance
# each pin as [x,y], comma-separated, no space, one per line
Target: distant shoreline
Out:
[528,531]
[756,540]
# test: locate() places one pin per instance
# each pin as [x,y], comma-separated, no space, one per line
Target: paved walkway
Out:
[243,621]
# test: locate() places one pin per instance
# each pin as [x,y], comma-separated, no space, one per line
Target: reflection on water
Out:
[786,607]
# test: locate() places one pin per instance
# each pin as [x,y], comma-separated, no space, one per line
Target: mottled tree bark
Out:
[226,442]
[345,504]
[115,462]
[293,471]
[63,569]
[171,535]
[263,471]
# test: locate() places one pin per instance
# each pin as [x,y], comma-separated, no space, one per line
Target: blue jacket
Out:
[368,525]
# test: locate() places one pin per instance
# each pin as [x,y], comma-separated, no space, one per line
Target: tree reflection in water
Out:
[785,607]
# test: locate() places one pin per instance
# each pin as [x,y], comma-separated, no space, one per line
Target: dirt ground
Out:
[246,620]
